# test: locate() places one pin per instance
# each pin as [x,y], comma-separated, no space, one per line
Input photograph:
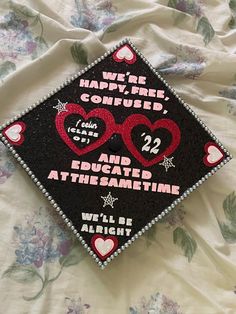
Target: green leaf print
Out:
[21,273]
[181,237]
[79,53]
[228,228]
[228,232]
[229,206]
[204,27]
[185,241]
[232,22]
[6,68]
[35,21]
[172,3]
[232,5]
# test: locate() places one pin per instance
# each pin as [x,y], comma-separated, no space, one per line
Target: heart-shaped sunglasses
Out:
[125,130]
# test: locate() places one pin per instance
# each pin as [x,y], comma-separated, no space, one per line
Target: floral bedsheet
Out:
[185,264]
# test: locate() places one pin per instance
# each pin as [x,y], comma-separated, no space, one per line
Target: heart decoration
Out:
[126,54]
[139,119]
[214,154]
[104,246]
[14,133]
[99,113]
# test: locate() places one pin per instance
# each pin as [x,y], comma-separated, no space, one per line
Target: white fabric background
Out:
[192,43]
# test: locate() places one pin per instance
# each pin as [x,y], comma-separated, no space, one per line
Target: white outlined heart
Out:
[125,53]
[104,246]
[214,154]
[14,133]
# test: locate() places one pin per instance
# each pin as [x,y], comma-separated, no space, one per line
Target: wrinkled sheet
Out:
[187,262]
